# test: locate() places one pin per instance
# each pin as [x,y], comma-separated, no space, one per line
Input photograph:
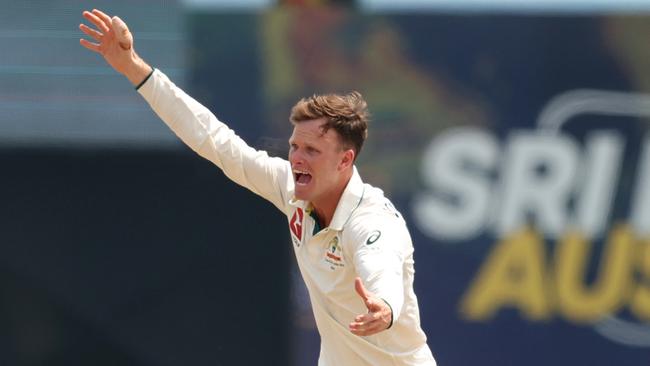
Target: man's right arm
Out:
[191,121]
[205,134]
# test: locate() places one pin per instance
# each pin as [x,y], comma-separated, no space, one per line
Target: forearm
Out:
[198,128]
[388,286]
[380,257]
[137,70]
[188,119]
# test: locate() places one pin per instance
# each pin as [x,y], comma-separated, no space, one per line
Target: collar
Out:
[349,201]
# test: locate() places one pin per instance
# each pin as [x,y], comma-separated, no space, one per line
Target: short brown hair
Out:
[346,114]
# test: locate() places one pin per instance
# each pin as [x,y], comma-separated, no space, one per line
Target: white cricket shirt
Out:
[367,238]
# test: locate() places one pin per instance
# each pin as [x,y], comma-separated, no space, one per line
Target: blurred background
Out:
[512,135]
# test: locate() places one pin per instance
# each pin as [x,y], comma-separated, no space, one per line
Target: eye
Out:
[311,150]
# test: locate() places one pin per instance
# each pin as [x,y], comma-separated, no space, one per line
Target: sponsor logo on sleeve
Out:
[295,226]
[374,236]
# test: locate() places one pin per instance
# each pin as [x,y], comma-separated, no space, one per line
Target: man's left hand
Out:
[379,316]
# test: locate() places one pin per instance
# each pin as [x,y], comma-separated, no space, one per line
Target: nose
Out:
[296,158]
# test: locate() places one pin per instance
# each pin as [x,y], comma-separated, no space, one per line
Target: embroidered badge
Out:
[333,254]
[333,247]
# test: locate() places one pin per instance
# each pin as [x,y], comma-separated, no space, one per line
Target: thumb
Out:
[361,290]
[124,36]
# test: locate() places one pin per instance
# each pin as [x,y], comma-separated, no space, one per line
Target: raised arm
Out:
[115,44]
[191,122]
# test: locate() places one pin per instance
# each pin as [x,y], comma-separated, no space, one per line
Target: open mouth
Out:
[301,178]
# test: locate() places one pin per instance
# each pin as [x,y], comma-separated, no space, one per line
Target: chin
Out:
[301,194]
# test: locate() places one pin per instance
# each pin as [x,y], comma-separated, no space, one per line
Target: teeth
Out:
[300,171]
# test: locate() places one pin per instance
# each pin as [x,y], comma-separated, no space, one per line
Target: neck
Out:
[326,206]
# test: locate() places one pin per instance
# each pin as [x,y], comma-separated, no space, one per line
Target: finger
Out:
[96,21]
[89,45]
[367,329]
[366,318]
[105,18]
[357,326]
[375,305]
[374,328]
[358,286]
[91,32]
[124,36]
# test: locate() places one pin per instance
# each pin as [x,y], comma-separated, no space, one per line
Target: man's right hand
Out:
[115,44]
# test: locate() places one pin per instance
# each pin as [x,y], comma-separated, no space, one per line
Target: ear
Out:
[347,160]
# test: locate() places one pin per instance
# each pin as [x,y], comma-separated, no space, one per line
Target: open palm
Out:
[379,316]
[114,42]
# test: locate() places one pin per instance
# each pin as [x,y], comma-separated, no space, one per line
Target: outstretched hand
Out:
[379,316]
[115,44]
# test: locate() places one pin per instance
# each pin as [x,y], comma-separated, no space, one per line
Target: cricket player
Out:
[352,247]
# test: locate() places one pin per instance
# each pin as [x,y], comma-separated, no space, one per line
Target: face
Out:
[320,163]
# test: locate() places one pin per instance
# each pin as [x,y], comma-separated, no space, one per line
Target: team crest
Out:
[333,254]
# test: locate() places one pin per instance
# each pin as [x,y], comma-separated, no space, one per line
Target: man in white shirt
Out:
[353,248]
